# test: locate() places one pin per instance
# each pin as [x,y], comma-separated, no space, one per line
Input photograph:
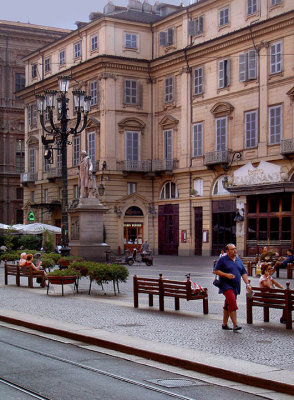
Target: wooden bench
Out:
[271,298]
[167,288]
[27,272]
[250,264]
[290,269]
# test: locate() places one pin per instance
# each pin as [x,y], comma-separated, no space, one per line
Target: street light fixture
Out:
[59,136]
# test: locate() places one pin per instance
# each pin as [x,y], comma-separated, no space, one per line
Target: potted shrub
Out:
[65,262]
[63,277]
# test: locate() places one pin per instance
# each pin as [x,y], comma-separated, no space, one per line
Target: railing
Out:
[164,165]
[26,177]
[217,157]
[134,166]
[54,173]
[287,146]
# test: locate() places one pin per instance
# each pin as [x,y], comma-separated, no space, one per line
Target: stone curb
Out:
[244,372]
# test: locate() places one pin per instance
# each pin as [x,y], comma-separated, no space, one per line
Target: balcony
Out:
[164,165]
[287,146]
[54,173]
[28,177]
[134,166]
[217,157]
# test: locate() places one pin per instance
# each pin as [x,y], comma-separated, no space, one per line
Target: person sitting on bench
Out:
[285,260]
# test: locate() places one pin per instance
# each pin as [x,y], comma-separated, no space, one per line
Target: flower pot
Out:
[63,280]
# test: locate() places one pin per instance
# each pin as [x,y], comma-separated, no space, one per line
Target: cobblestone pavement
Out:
[268,344]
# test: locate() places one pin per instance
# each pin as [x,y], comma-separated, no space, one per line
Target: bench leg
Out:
[161,302]
[177,303]
[266,314]
[17,280]
[136,302]
[150,300]
[249,311]
[205,306]
[48,287]
[6,279]
[62,289]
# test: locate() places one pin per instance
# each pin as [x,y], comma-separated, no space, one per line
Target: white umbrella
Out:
[36,228]
[4,226]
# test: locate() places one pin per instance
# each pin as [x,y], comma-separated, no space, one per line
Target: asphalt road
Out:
[62,371]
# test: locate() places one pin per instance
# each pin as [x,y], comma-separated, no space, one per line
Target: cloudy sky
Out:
[58,13]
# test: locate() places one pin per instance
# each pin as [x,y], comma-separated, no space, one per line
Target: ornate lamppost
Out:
[59,134]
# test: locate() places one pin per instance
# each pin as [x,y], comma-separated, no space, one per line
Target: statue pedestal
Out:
[86,230]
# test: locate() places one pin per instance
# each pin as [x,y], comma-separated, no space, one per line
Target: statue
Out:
[87,179]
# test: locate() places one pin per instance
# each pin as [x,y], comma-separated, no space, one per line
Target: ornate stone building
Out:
[16,40]
[192,112]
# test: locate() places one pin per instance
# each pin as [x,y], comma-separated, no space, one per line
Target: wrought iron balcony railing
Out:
[134,166]
[27,177]
[164,165]
[53,173]
[287,146]
[217,157]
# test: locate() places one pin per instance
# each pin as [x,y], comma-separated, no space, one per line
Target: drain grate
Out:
[173,383]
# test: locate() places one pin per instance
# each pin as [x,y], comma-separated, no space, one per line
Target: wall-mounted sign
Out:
[31,216]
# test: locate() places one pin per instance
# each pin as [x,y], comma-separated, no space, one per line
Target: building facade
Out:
[16,40]
[192,116]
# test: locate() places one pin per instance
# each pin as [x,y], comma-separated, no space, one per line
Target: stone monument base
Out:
[86,230]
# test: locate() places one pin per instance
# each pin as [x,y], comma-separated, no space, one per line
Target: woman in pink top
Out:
[266,281]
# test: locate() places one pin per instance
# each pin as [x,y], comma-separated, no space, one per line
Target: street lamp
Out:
[59,135]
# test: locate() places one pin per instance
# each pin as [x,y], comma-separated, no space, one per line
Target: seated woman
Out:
[282,263]
[29,263]
[268,255]
[266,281]
[23,259]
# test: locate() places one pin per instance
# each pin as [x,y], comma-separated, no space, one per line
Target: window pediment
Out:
[32,140]
[290,93]
[222,109]
[168,122]
[132,124]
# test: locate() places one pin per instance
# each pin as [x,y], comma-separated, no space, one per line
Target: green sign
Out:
[31,216]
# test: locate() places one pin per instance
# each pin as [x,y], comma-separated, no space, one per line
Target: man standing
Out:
[230,269]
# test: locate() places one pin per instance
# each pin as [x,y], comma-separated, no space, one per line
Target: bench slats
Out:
[27,272]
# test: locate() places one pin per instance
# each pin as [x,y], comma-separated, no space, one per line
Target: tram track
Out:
[85,367]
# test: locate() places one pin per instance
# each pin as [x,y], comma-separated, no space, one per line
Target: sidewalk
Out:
[262,355]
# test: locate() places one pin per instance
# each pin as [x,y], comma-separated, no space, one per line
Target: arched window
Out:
[218,188]
[169,191]
[197,187]
[134,211]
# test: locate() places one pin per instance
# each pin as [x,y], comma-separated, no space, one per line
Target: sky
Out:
[58,13]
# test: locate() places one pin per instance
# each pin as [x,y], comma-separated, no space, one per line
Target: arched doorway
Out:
[133,228]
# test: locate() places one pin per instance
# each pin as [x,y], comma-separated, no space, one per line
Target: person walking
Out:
[230,269]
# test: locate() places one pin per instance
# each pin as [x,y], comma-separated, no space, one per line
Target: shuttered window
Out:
[132,146]
[221,134]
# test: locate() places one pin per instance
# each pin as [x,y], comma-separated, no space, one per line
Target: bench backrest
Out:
[146,285]
[272,297]
[11,268]
[176,288]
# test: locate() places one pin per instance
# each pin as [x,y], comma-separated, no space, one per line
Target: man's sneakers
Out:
[237,328]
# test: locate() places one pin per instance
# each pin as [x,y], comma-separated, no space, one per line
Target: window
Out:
[221,134]
[76,150]
[224,16]
[250,129]
[76,192]
[20,81]
[247,66]
[131,41]
[77,50]
[32,196]
[34,71]
[166,38]
[195,27]
[94,42]
[197,139]
[224,73]
[132,187]
[59,159]
[218,188]
[169,191]
[276,58]
[93,92]
[198,187]
[47,65]
[19,216]
[275,124]
[130,92]
[198,80]
[251,7]
[92,146]
[46,165]
[32,161]
[62,57]
[46,196]
[20,156]
[32,116]
[168,144]
[132,146]
[19,193]
[169,89]
[275,2]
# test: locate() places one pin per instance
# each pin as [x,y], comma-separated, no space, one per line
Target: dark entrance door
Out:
[168,229]
[223,224]
[198,231]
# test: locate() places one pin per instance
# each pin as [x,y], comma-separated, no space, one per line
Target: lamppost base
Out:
[65,251]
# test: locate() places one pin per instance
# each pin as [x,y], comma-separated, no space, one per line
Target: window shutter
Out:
[140,95]
[192,28]
[170,36]
[162,38]
[124,92]
[252,64]
[199,25]
[228,72]
[221,74]
[243,67]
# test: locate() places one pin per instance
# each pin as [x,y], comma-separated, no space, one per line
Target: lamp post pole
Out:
[60,136]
